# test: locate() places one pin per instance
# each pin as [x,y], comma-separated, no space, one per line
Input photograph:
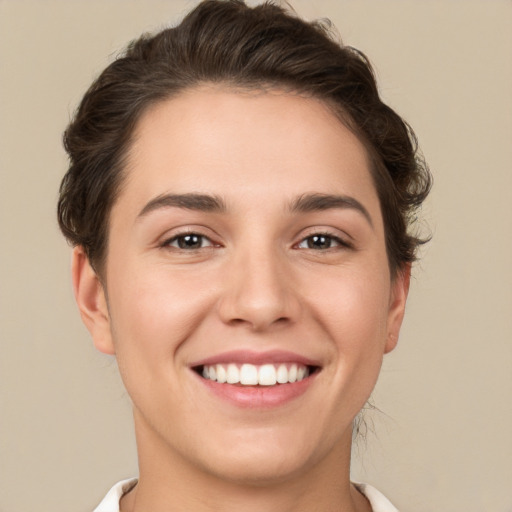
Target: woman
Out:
[239,200]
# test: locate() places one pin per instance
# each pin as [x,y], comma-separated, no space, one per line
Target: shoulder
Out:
[110,502]
[377,500]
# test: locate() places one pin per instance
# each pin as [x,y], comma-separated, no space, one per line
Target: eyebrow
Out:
[190,201]
[211,203]
[318,202]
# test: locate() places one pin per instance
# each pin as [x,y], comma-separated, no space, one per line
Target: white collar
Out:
[110,503]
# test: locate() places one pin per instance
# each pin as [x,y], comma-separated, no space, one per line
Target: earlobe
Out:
[91,300]
[398,299]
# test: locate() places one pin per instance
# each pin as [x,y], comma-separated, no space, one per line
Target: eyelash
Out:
[182,236]
[330,238]
[340,242]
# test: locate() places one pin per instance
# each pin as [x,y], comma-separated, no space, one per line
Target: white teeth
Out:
[282,374]
[252,375]
[267,375]
[248,375]
[221,374]
[292,373]
[232,374]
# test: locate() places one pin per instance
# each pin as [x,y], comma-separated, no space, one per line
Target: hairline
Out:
[238,87]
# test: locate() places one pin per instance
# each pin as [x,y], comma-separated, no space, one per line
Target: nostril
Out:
[258,323]
[237,321]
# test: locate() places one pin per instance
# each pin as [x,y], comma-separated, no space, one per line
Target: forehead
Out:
[253,145]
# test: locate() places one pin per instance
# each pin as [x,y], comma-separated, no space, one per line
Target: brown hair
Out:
[225,41]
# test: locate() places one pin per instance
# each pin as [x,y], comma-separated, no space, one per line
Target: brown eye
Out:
[189,241]
[321,242]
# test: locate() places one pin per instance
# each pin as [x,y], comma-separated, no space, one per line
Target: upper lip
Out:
[256,358]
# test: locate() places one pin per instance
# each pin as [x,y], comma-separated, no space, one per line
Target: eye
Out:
[189,241]
[321,242]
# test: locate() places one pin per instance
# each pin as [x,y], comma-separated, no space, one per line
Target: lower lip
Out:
[258,396]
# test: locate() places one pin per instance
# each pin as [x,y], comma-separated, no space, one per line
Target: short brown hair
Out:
[225,41]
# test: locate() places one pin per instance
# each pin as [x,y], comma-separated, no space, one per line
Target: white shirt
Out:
[110,503]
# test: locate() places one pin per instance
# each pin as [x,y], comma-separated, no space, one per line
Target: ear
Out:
[91,300]
[397,300]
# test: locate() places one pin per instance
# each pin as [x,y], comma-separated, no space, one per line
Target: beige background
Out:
[444,439]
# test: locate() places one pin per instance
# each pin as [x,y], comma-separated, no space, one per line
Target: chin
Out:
[266,458]
[259,471]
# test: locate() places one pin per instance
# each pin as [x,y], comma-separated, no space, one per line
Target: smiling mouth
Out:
[256,375]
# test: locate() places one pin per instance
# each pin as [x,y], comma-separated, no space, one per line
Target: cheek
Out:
[354,312]
[153,314]
[353,307]
[154,311]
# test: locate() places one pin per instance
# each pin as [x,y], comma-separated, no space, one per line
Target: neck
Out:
[168,481]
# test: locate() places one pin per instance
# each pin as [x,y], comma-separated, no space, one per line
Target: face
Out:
[247,296]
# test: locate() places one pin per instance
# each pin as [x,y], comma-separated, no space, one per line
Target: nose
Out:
[259,291]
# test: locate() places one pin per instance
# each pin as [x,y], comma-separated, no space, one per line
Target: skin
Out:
[256,284]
